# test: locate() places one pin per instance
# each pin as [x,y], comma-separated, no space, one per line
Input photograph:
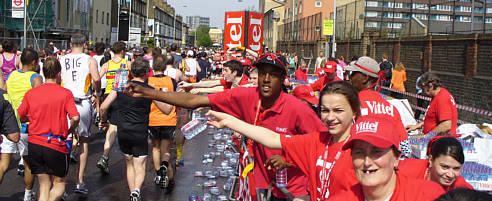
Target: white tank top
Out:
[191,63]
[75,74]
[171,72]
[104,82]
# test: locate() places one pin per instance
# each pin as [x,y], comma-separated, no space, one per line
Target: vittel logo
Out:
[236,31]
[255,24]
[366,127]
[379,108]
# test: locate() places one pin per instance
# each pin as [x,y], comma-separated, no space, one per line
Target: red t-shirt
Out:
[372,103]
[307,153]
[301,74]
[244,80]
[322,82]
[417,169]
[441,108]
[228,85]
[47,107]
[407,189]
[287,116]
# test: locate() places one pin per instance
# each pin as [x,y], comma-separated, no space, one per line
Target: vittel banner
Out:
[234,29]
[255,32]
[244,29]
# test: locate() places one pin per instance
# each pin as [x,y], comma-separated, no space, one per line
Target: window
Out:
[420,6]
[318,4]
[420,16]
[394,25]
[398,5]
[371,14]
[489,10]
[388,15]
[372,24]
[464,9]
[488,20]
[389,5]
[464,19]
[442,17]
[97,16]
[398,15]
[371,3]
[102,18]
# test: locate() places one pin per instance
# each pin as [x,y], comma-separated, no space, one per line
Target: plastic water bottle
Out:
[120,79]
[194,127]
[281,177]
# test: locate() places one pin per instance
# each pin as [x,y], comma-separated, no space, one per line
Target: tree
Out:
[203,39]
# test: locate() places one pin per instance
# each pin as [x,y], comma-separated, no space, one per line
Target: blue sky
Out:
[215,9]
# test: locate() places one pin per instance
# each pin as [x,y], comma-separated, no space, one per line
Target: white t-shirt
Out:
[75,73]
[191,63]
[104,82]
[171,72]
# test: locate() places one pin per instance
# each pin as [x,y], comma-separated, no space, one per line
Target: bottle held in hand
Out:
[121,79]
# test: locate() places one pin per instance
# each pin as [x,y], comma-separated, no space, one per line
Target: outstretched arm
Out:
[259,134]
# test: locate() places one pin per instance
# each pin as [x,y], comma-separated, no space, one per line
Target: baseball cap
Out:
[331,67]
[190,53]
[245,62]
[377,131]
[365,65]
[138,52]
[306,92]
[276,60]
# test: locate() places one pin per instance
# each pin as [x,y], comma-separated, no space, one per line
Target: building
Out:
[101,26]
[302,30]
[273,18]
[195,21]
[132,21]
[401,18]
[216,35]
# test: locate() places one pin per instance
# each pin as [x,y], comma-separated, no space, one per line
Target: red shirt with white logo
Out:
[307,153]
[322,82]
[287,116]
[39,106]
[301,74]
[407,189]
[372,103]
[418,169]
[441,108]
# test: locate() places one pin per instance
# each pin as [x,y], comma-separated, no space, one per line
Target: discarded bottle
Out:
[281,178]
[194,127]
[121,78]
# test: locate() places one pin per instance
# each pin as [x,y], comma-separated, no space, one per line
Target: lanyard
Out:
[325,174]
[257,116]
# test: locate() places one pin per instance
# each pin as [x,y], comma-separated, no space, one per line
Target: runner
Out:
[109,70]
[162,127]
[48,155]
[133,126]
[265,105]
[9,127]
[79,70]
[9,61]
[192,67]
[18,83]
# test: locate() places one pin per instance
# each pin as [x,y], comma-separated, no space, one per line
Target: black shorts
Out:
[112,111]
[44,160]
[131,146]
[161,132]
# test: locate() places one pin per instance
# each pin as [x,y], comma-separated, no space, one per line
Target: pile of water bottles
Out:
[218,171]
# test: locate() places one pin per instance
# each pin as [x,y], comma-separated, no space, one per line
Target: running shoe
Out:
[20,170]
[135,196]
[164,178]
[80,188]
[30,197]
[103,165]
[157,180]
[180,162]
[73,157]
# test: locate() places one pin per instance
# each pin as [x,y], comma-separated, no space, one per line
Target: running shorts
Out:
[44,160]
[85,110]
[161,132]
[133,146]
[9,147]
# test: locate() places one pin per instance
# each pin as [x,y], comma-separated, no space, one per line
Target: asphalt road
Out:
[113,187]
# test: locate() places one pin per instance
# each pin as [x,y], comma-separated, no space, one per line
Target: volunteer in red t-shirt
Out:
[301,72]
[48,150]
[444,166]
[232,71]
[375,156]
[329,75]
[442,115]
[266,105]
[318,154]
[365,76]
[306,94]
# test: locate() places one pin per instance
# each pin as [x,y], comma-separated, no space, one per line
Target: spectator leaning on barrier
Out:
[442,115]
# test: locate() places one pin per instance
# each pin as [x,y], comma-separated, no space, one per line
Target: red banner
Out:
[234,29]
[255,32]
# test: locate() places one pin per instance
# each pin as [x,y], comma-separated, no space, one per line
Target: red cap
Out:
[245,62]
[306,92]
[331,67]
[377,131]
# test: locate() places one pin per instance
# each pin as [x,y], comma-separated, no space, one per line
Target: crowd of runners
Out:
[348,144]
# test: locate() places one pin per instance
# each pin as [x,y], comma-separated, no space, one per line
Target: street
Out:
[113,187]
